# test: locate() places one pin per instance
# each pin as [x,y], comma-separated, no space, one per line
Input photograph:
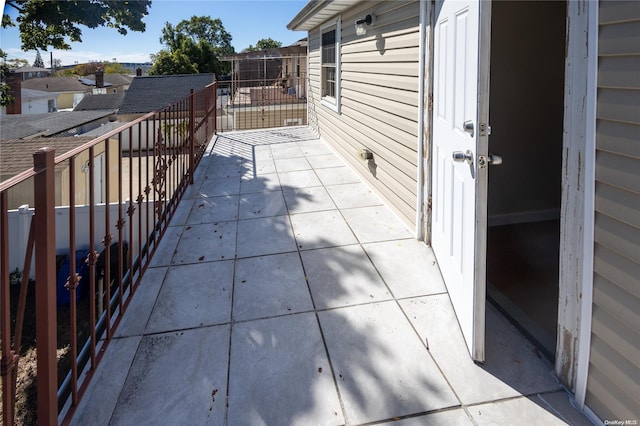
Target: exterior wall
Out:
[379,100]
[35,106]
[613,384]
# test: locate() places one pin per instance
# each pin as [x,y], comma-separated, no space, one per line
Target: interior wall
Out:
[526,108]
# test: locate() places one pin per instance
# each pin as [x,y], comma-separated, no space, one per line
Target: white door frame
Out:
[578,194]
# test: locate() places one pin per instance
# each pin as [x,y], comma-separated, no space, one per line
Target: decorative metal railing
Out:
[118,193]
[262,103]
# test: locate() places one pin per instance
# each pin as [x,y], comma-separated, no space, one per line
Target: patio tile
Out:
[383,370]
[376,223]
[262,204]
[214,209]
[321,229]
[261,153]
[225,170]
[268,182]
[212,187]
[206,242]
[455,417]
[193,296]
[292,164]
[342,276]
[308,200]
[299,179]
[270,235]
[337,176]
[521,411]
[279,374]
[511,367]
[141,306]
[324,161]
[286,150]
[314,148]
[353,195]
[177,378]
[560,403]
[269,286]
[259,168]
[419,277]
[97,404]
[167,247]
[182,213]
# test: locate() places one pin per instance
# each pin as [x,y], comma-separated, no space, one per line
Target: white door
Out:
[460,112]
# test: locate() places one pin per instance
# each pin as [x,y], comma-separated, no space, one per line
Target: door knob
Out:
[460,156]
[468,127]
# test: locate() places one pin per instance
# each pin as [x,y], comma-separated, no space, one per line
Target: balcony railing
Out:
[116,196]
[245,104]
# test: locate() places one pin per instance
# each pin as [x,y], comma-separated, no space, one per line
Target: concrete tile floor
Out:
[285,293]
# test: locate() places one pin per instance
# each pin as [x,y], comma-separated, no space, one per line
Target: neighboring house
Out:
[152,93]
[264,84]
[17,156]
[65,123]
[70,89]
[422,99]
[113,83]
[31,72]
[38,101]
[110,102]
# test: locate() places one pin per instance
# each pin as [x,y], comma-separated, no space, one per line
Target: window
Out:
[330,65]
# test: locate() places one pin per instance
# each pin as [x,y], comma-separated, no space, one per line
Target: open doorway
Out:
[524,193]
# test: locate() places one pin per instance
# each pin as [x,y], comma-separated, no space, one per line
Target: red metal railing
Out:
[116,195]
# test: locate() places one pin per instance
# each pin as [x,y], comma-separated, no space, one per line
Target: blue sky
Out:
[246,20]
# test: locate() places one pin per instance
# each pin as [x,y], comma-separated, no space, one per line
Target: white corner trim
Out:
[584,336]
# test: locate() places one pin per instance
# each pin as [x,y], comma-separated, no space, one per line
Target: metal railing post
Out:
[44,194]
[192,119]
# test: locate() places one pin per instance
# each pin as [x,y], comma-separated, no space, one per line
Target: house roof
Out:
[113,79]
[23,70]
[151,93]
[55,84]
[17,126]
[17,154]
[317,12]
[110,101]
[30,94]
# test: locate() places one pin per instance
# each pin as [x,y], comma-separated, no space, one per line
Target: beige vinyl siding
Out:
[613,384]
[378,100]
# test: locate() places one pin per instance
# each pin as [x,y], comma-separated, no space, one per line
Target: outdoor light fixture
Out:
[362,24]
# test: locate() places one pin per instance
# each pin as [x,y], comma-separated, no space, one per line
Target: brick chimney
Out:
[138,72]
[99,78]
[14,81]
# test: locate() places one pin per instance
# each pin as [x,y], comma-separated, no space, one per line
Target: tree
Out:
[193,46]
[44,23]
[5,98]
[38,63]
[264,44]
[115,68]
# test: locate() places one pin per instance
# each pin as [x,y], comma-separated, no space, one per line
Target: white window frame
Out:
[331,102]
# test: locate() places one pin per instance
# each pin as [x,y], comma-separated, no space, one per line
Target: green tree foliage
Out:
[44,23]
[38,63]
[115,68]
[5,98]
[264,44]
[193,46]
